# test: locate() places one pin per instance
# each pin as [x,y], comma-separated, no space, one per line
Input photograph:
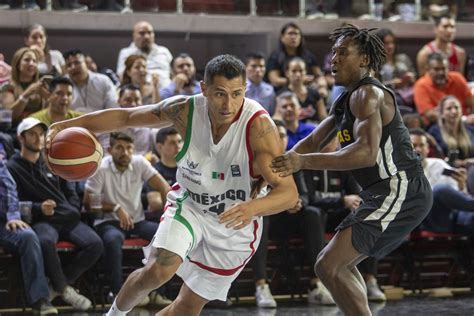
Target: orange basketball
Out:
[75,154]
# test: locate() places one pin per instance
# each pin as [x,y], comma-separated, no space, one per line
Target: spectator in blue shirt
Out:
[288,109]
[18,237]
[183,81]
[257,89]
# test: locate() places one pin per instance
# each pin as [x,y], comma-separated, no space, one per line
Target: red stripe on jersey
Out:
[175,187]
[228,272]
[247,139]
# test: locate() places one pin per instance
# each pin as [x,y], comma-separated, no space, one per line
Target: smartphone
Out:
[448,172]
[47,79]
[452,156]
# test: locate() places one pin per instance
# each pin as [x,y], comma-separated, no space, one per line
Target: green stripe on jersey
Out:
[187,138]
[180,217]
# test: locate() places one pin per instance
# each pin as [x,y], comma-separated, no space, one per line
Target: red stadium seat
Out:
[134,243]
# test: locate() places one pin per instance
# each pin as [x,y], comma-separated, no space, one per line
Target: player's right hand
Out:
[52,131]
[287,164]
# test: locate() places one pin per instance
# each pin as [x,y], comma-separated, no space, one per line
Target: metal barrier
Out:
[253,7]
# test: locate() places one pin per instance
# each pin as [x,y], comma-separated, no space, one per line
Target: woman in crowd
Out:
[291,45]
[26,93]
[453,136]
[398,71]
[49,61]
[137,74]
[312,105]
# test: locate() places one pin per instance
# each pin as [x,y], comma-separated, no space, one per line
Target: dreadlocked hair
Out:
[368,43]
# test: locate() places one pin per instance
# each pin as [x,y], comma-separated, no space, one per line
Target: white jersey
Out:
[216,176]
[210,179]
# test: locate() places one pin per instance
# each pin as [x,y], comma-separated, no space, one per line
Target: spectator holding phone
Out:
[26,93]
[453,207]
[59,102]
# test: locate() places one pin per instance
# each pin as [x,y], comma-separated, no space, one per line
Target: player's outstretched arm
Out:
[365,104]
[321,136]
[168,112]
[266,144]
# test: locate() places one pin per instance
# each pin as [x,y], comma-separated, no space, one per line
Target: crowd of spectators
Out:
[42,86]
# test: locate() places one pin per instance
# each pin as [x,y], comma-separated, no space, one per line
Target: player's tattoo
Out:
[165,257]
[263,132]
[263,129]
[172,110]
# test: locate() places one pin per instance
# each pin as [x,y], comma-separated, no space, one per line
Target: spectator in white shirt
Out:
[92,91]
[120,179]
[158,57]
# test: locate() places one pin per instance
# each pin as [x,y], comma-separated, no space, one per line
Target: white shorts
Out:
[213,255]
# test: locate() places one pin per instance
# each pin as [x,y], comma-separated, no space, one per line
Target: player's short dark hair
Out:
[164,133]
[437,19]
[367,42]
[115,136]
[128,86]
[73,52]
[59,80]
[227,66]
[437,57]
[180,55]
[253,55]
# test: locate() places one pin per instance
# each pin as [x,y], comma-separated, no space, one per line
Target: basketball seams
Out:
[95,157]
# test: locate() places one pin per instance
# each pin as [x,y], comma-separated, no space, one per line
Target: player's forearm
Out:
[277,200]
[352,157]
[99,122]
[315,141]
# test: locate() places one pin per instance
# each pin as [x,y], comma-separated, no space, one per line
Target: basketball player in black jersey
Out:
[375,146]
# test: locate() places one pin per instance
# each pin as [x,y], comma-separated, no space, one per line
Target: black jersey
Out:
[395,149]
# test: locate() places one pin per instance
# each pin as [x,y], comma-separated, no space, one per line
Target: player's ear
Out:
[203,88]
[365,61]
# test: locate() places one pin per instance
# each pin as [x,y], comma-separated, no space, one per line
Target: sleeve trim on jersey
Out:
[247,139]
[189,128]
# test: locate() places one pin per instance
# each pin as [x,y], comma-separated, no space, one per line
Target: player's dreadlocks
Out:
[367,42]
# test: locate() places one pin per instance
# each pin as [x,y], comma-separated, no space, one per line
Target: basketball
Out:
[75,154]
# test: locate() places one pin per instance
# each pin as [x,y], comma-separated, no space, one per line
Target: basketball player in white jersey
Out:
[211,226]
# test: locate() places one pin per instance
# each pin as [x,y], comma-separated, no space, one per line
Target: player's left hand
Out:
[238,216]
[287,164]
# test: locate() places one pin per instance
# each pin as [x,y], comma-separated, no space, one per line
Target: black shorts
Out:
[391,209]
